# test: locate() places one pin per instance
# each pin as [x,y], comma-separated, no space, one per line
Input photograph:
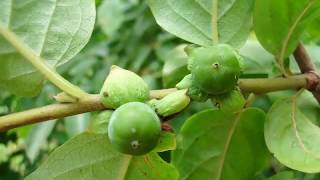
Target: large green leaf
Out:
[191,20]
[291,137]
[90,156]
[279,24]
[56,30]
[216,145]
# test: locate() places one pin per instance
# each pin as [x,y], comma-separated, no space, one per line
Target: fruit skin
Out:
[215,69]
[134,128]
[172,103]
[123,86]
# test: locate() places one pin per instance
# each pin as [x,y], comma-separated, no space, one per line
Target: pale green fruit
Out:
[123,86]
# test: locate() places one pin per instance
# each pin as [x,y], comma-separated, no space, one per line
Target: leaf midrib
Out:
[296,131]
[227,144]
[291,30]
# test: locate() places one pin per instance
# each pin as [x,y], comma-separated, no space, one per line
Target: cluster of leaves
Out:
[210,143]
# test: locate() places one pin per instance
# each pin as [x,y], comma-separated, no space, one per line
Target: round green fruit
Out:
[134,128]
[215,69]
[123,86]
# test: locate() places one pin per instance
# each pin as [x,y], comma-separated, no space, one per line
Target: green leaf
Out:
[175,67]
[257,61]
[37,137]
[90,156]
[284,175]
[312,33]
[99,122]
[55,30]
[280,24]
[76,124]
[167,142]
[191,20]
[217,145]
[111,16]
[291,137]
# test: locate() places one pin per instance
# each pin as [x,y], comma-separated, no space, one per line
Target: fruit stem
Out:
[40,64]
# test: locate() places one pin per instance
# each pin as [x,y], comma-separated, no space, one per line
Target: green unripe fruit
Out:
[172,103]
[123,86]
[134,128]
[215,69]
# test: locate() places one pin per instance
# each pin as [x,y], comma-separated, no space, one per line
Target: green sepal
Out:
[172,103]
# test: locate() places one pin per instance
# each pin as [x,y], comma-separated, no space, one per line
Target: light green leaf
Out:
[291,137]
[90,156]
[111,16]
[257,61]
[99,122]
[76,124]
[37,138]
[175,67]
[167,142]
[280,24]
[191,20]
[217,145]
[55,30]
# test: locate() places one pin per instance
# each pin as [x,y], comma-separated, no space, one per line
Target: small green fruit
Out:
[134,128]
[123,86]
[215,69]
[172,103]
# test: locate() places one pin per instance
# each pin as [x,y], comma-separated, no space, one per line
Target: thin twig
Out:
[307,67]
[93,102]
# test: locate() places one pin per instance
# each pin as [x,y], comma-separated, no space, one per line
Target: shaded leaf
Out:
[111,16]
[37,137]
[216,145]
[76,124]
[285,175]
[175,67]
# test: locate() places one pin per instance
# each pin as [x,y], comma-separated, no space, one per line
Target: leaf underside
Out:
[191,20]
[55,30]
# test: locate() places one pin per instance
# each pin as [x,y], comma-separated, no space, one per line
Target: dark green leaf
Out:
[216,145]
